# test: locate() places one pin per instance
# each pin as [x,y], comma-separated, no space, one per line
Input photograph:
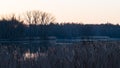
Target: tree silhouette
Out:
[11,28]
[39,17]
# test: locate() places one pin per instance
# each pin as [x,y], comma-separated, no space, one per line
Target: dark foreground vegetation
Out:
[80,55]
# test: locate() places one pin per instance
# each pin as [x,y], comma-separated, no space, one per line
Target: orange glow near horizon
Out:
[81,11]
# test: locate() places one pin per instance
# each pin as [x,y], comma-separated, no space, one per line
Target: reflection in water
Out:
[29,55]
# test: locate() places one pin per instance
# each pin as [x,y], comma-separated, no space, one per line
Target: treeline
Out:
[68,30]
[42,24]
[13,29]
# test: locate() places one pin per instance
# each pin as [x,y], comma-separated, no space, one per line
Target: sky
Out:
[79,11]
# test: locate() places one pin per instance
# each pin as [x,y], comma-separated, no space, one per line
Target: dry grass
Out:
[99,54]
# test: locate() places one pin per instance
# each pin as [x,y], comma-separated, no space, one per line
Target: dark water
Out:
[85,54]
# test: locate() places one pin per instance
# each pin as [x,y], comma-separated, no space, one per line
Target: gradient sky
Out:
[82,11]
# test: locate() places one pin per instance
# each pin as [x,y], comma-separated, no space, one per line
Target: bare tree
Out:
[46,18]
[9,17]
[39,17]
[12,17]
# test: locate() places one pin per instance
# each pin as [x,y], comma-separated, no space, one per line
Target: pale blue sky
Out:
[85,11]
